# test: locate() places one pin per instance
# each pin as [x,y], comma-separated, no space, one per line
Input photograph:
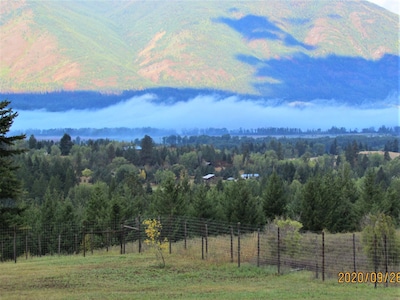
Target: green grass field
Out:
[108,275]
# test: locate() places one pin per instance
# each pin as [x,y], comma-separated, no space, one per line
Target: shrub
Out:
[153,232]
[380,225]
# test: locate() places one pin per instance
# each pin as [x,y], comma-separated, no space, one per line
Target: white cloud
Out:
[391,5]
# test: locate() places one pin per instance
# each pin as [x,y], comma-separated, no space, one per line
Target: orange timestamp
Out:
[369,277]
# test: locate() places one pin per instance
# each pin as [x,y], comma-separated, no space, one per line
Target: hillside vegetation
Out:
[106,182]
[237,46]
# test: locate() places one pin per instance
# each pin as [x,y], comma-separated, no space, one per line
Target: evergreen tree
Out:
[395,145]
[146,153]
[32,142]
[340,195]
[66,221]
[391,204]
[312,208]
[49,213]
[203,207]
[66,144]
[274,196]
[169,198]
[10,185]
[371,194]
[98,208]
[241,205]
[333,148]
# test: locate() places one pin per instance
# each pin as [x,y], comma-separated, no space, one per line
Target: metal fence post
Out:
[26,245]
[140,235]
[185,234]
[258,247]
[316,257]
[238,228]
[323,256]
[84,241]
[375,258]
[15,244]
[121,238]
[206,237]
[279,252]
[91,241]
[354,252]
[40,245]
[59,244]
[76,243]
[386,259]
[202,247]
[231,244]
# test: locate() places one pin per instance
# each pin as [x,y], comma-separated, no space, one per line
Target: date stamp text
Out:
[369,277]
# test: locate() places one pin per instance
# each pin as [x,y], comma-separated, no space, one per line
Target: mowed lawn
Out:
[138,276]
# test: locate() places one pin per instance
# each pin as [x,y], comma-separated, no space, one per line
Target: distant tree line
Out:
[172,137]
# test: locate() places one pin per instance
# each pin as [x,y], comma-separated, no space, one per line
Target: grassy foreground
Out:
[138,276]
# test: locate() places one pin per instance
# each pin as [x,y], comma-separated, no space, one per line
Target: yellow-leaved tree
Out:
[153,233]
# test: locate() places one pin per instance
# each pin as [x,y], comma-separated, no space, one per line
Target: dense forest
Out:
[326,183]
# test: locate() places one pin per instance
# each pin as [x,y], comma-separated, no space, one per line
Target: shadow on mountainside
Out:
[253,27]
[350,80]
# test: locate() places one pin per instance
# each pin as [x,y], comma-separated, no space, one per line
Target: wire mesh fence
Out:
[326,255]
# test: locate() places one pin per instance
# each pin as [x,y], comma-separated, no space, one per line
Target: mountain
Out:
[293,50]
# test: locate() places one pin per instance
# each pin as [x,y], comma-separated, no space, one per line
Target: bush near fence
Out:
[322,253]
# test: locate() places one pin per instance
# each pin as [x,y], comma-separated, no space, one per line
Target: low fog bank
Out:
[209,111]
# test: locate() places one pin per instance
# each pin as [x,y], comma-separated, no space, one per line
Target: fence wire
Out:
[326,255]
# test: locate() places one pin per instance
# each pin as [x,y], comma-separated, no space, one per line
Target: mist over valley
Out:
[184,65]
[206,111]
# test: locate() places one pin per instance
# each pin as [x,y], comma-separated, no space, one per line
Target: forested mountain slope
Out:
[300,50]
